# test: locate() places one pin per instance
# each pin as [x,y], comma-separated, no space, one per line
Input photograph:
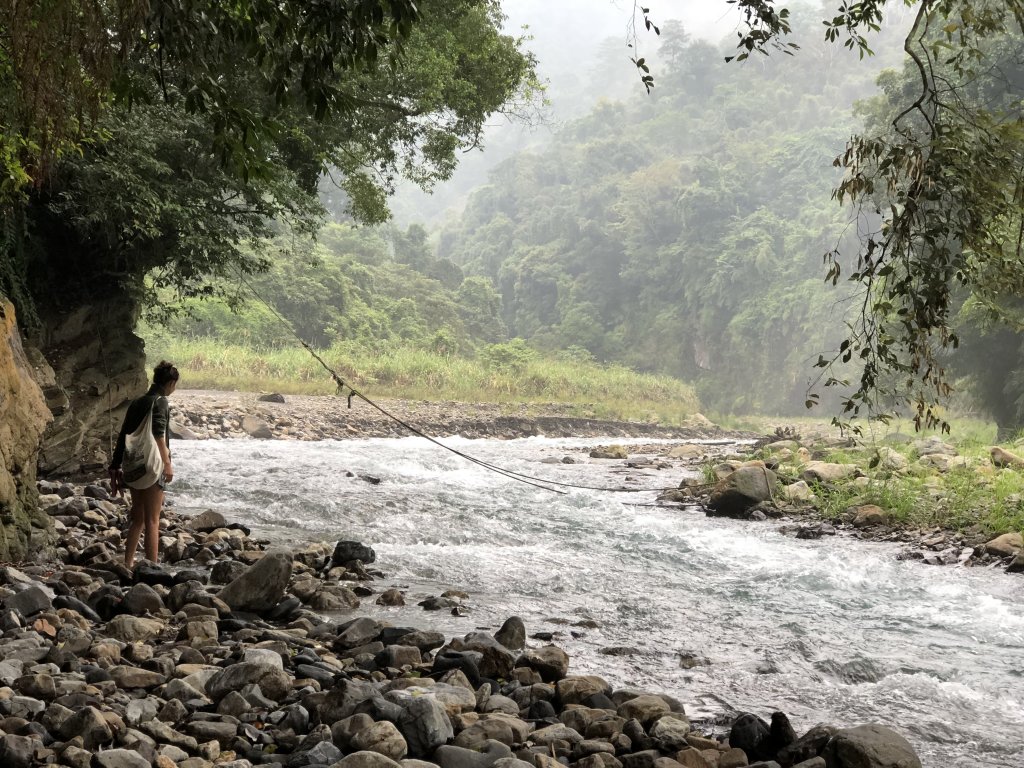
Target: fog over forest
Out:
[679,233]
[583,57]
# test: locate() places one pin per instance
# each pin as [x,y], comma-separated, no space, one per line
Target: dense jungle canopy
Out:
[169,148]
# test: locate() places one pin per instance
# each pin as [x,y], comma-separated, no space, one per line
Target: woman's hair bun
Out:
[164,372]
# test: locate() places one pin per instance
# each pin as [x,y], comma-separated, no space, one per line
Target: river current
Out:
[725,615]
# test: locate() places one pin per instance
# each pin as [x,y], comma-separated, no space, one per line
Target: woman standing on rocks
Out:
[147,502]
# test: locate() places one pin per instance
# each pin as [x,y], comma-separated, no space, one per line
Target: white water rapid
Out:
[833,630]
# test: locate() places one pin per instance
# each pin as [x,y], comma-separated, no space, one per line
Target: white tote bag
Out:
[142,466]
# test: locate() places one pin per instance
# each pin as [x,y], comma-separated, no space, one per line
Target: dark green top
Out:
[136,413]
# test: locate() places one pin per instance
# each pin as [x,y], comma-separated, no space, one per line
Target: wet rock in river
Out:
[609,452]
[512,634]
[751,734]
[740,491]
[869,746]
[348,551]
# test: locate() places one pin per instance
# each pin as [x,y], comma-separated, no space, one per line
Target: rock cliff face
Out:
[98,366]
[23,418]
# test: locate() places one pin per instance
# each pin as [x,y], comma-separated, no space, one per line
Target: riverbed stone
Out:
[609,452]
[381,737]
[142,599]
[366,759]
[89,724]
[575,689]
[740,491]
[733,758]
[261,586]
[798,491]
[17,751]
[1006,545]
[120,758]
[870,746]
[29,601]
[347,551]
[132,677]
[942,462]
[256,427]
[931,446]
[134,629]
[749,733]
[512,634]
[670,733]
[867,515]
[690,757]
[450,756]
[891,460]
[207,521]
[550,661]
[827,472]
[274,683]
[645,708]
[424,724]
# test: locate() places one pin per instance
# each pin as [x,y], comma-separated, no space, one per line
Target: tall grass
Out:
[417,374]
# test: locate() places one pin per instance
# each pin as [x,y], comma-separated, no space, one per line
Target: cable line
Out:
[536,482]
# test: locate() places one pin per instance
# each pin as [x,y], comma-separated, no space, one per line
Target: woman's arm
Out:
[162,433]
[165,454]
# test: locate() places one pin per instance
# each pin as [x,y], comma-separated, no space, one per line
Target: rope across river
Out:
[537,482]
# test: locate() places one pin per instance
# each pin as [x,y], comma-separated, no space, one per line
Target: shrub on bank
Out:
[507,375]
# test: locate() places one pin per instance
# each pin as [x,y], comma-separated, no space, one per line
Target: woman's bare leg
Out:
[137,516]
[154,502]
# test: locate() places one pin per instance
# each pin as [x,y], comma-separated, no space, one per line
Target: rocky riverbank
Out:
[914,492]
[232,654]
[207,414]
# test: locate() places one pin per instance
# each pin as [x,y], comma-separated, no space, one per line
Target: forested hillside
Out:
[684,232]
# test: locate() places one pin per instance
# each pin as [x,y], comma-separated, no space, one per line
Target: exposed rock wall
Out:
[98,367]
[23,418]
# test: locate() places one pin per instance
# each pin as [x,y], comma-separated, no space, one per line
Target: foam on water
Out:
[831,630]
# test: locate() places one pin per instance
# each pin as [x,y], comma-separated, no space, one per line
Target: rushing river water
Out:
[833,630]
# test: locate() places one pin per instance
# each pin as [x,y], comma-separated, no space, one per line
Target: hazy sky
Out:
[597,19]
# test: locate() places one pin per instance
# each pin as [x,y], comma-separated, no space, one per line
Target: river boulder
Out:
[868,515]
[870,746]
[929,446]
[826,472]
[347,551]
[261,586]
[890,459]
[550,662]
[743,489]
[1003,458]
[1006,545]
[257,428]
[609,452]
[751,734]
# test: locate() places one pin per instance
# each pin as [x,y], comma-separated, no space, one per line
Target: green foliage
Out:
[664,236]
[185,177]
[344,288]
[66,62]
[414,372]
[510,357]
[936,180]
